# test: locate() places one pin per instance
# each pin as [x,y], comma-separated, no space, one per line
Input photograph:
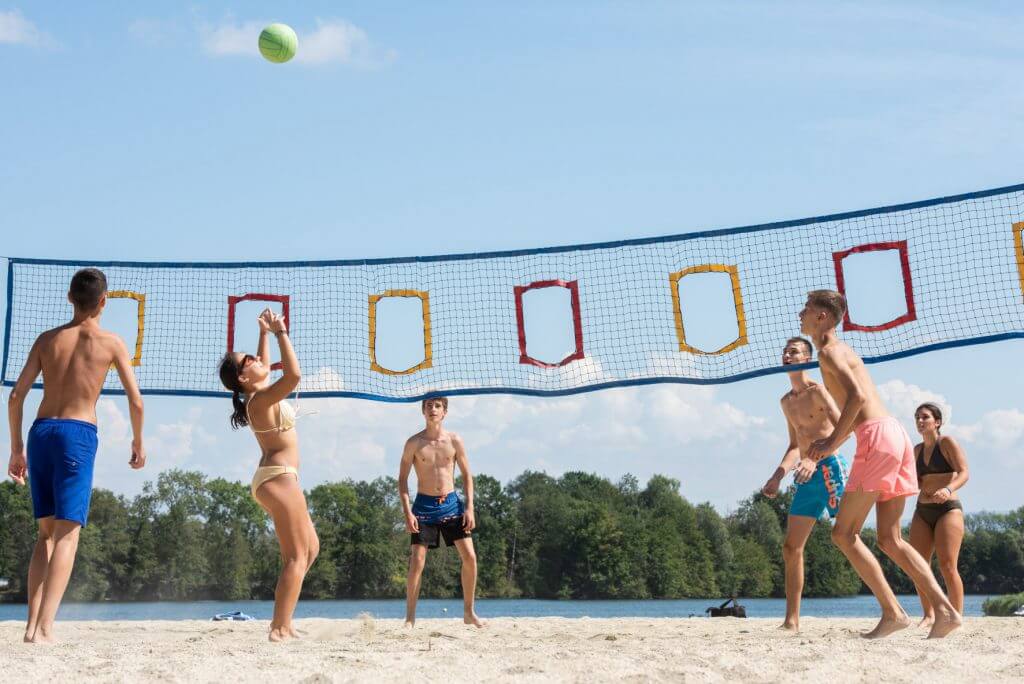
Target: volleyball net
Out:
[705,307]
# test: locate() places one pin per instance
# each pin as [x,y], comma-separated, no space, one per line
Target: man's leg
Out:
[468,555]
[853,510]
[922,538]
[37,573]
[903,554]
[55,580]
[417,559]
[798,529]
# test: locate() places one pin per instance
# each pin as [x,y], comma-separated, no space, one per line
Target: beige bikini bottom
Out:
[264,473]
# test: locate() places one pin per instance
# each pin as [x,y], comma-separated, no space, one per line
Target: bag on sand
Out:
[725,610]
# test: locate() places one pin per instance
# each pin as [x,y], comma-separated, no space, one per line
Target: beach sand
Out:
[537,649]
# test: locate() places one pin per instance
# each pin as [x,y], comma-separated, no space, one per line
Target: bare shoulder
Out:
[456,439]
[948,440]
[415,441]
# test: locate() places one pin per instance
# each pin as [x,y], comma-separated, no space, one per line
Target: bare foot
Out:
[294,633]
[790,627]
[28,637]
[887,626]
[471,618]
[944,624]
[40,638]
[410,623]
[278,634]
[926,622]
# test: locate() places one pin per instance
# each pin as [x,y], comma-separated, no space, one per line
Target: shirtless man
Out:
[810,414]
[883,473]
[74,360]
[438,511]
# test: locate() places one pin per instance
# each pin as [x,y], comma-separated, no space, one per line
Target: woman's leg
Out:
[283,497]
[949,534]
[891,542]
[922,538]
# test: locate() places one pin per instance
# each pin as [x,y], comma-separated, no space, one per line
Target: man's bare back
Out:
[74,360]
[812,413]
[434,461]
[839,364]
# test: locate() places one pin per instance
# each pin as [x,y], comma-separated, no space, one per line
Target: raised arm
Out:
[17,467]
[264,320]
[957,460]
[789,460]
[468,516]
[123,364]
[287,383]
[405,465]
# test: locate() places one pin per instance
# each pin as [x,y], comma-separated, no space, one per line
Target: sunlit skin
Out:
[281,497]
[945,540]
[811,414]
[433,453]
[849,383]
[74,360]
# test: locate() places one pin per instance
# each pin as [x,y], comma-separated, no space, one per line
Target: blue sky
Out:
[416,128]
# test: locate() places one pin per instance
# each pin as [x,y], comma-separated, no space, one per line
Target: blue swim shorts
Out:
[822,492]
[61,455]
[438,517]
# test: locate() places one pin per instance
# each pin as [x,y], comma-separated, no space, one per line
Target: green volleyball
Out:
[278,43]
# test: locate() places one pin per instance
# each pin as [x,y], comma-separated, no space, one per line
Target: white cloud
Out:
[15,29]
[337,41]
[1001,430]
[902,399]
[333,41]
[232,38]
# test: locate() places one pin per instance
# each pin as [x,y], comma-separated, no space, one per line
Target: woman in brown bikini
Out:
[938,523]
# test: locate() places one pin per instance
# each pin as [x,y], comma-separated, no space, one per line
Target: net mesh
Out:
[952,270]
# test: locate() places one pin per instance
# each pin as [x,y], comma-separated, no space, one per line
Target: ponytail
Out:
[229,378]
[239,418]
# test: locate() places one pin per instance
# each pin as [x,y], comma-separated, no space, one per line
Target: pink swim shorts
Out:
[884,462]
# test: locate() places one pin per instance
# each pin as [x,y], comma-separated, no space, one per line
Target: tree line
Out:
[578,536]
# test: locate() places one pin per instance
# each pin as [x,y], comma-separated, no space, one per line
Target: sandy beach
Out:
[538,649]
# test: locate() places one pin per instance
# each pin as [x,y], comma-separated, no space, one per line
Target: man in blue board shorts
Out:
[810,414]
[74,360]
[437,512]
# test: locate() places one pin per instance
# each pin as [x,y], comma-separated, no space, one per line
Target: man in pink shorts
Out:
[883,473]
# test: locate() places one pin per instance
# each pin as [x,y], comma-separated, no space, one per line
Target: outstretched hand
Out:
[277,323]
[771,488]
[17,468]
[264,319]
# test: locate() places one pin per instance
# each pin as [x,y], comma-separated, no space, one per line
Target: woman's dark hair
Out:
[229,377]
[932,409]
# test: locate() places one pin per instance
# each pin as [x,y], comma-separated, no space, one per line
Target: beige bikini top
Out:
[285,417]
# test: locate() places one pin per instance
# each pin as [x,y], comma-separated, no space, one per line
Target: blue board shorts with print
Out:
[822,492]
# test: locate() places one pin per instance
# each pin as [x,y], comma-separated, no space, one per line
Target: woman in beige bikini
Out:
[263,406]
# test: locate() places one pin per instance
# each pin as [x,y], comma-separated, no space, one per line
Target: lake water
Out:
[857,606]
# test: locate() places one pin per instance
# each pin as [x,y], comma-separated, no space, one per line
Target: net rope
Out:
[958,279]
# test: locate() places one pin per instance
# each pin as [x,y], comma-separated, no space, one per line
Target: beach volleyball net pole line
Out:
[955,266]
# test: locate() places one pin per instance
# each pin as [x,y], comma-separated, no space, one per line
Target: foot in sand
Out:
[944,624]
[409,623]
[278,634]
[926,622]
[888,625]
[40,638]
[471,618]
[790,627]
